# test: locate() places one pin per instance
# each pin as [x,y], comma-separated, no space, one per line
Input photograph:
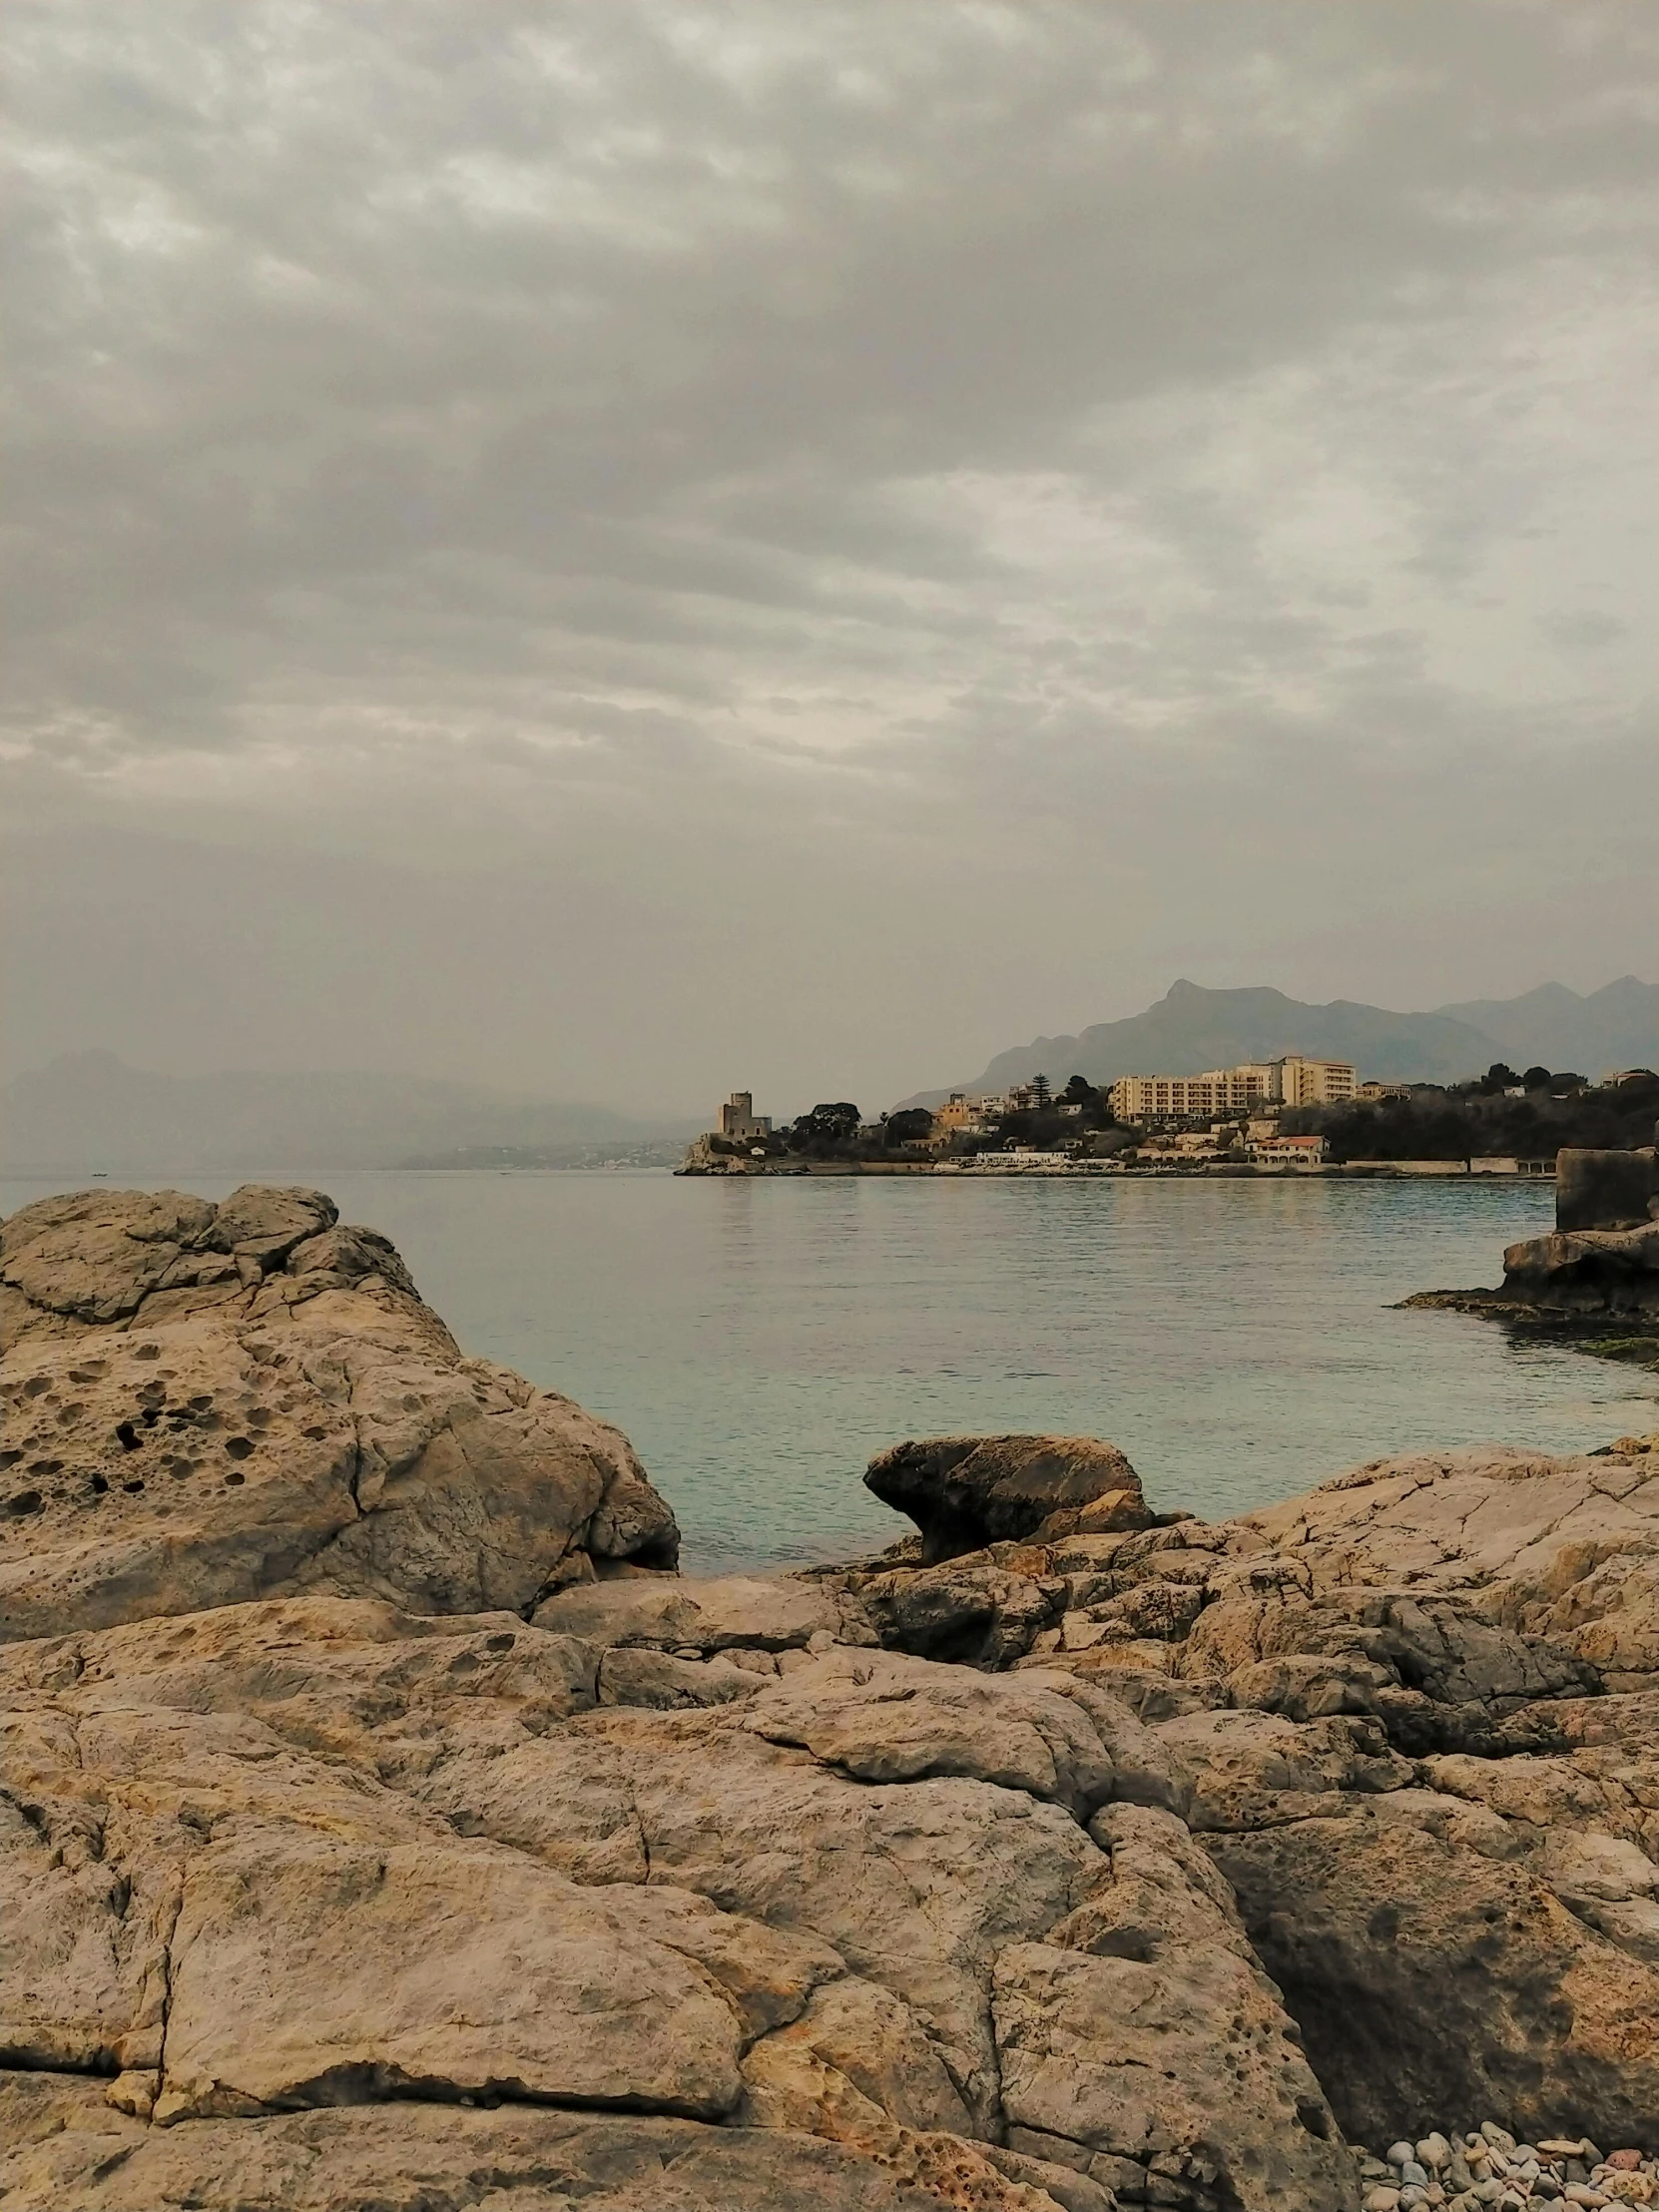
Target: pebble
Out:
[1486,2166]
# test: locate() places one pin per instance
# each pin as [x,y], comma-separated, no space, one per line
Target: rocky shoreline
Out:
[1593,1285]
[384,1823]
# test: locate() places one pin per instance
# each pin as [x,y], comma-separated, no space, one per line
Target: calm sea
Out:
[758,1340]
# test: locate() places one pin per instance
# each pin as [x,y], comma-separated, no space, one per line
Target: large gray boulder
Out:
[1434,1966]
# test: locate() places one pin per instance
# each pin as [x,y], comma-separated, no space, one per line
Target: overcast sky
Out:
[626,550]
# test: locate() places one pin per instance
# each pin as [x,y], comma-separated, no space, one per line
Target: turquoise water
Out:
[758,1340]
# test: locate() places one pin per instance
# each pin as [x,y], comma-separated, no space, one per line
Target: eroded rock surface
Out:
[1414,1717]
[435,1869]
[205,1405]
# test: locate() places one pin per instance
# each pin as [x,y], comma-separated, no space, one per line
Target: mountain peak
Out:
[1192,1028]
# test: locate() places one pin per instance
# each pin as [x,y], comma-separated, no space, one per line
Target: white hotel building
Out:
[1290,1081]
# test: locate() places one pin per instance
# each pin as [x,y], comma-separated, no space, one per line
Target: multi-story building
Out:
[739,1120]
[1186,1097]
[1303,1082]
[1290,1081]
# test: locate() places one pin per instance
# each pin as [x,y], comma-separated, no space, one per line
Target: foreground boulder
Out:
[211,1404]
[336,1773]
[964,1493]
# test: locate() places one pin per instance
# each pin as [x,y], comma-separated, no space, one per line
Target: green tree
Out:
[830,1124]
[1042,1091]
[909,1126]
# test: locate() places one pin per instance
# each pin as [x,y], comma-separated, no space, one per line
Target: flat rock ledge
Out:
[393,1828]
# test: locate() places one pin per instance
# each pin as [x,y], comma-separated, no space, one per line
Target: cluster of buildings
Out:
[1258,1141]
[1290,1081]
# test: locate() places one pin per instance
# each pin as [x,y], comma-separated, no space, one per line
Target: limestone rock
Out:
[1429,1973]
[209,1405]
[758,1612]
[486,1884]
[882,1718]
[1144,2035]
[1587,1272]
[969,1610]
[395,1773]
[1563,1551]
[61,2146]
[471,1973]
[963,1492]
[1248,1770]
[654,1678]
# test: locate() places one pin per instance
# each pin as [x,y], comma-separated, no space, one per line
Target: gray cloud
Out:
[825,539]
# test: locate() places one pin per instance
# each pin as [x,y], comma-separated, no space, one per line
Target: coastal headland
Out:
[1287,1116]
[388,1821]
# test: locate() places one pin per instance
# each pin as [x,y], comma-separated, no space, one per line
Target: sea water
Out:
[759,1338]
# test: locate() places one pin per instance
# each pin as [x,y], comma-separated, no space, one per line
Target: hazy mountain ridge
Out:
[1617,1026]
[89,1111]
[1191,1029]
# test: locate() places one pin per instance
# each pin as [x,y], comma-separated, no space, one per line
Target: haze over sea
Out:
[758,1340]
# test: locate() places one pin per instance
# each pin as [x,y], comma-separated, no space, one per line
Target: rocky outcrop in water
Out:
[465,1862]
[1596,1277]
[1606,1276]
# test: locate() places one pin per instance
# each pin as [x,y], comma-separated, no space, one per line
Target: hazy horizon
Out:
[610,551]
[666,1114]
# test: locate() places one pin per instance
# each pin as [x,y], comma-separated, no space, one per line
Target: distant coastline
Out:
[1002,1164]
[1291,1117]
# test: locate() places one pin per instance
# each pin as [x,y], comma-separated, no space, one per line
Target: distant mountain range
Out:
[1192,1029]
[88,1112]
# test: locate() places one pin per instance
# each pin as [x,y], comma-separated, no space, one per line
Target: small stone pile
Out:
[1487,2166]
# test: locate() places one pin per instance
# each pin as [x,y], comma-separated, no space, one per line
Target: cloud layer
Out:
[629,548]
